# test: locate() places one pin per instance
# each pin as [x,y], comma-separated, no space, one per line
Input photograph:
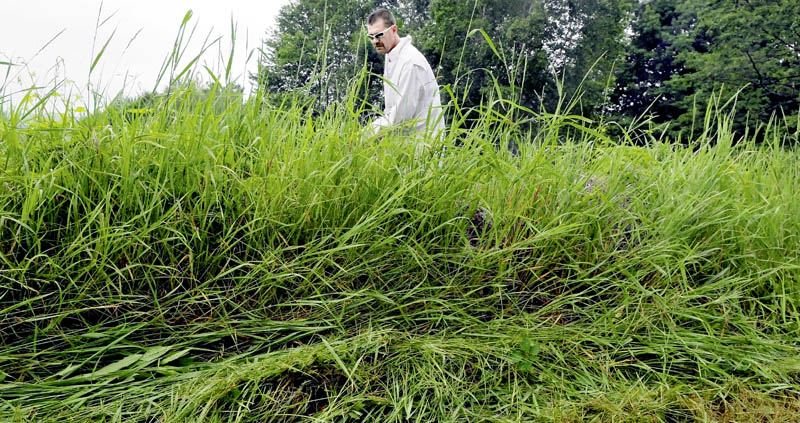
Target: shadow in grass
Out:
[750,406]
[292,395]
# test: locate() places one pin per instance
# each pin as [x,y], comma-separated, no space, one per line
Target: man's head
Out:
[382,30]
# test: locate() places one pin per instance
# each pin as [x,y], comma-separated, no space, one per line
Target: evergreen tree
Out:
[685,51]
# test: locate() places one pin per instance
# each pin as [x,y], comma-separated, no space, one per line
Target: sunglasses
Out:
[379,35]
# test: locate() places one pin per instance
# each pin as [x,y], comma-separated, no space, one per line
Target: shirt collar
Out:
[395,53]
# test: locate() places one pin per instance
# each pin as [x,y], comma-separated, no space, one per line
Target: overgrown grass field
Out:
[257,263]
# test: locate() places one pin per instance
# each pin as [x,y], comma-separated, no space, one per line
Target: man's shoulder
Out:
[412,56]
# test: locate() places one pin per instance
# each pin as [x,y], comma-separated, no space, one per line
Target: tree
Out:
[537,42]
[596,31]
[653,59]
[747,45]
[312,48]
[319,46]
[465,60]
[684,52]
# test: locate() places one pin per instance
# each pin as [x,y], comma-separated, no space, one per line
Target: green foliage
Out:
[536,54]
[213,96]
[252,263]
[687,51]
[319,48]
[751,46]
[312,48]
[653,59]
[525,355]
[589,73]
[230,261]
[516,60]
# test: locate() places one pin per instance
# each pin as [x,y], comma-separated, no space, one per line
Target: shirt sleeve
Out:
[411,93]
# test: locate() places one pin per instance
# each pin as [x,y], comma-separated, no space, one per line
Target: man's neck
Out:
[395,46]
[391,49]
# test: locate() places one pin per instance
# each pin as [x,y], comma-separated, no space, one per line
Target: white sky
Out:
[131,61]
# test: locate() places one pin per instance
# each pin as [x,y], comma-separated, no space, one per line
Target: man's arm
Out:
[411,94]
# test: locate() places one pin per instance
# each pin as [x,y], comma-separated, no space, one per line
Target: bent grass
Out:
[256,263]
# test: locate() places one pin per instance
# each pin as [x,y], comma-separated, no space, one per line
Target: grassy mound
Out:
[261,263]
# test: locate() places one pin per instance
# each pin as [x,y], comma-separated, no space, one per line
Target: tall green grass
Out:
[258,263]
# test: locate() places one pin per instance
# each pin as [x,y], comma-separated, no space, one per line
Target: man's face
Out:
[388,41]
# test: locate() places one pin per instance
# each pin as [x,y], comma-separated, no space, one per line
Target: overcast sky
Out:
[143,35]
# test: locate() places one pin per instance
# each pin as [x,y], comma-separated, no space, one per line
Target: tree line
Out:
[663,61]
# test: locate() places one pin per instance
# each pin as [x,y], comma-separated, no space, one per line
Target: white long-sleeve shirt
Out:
[411,93]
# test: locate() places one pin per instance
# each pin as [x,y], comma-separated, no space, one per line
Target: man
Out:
[411,93]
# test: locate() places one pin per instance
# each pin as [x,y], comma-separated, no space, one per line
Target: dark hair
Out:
[381,13]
